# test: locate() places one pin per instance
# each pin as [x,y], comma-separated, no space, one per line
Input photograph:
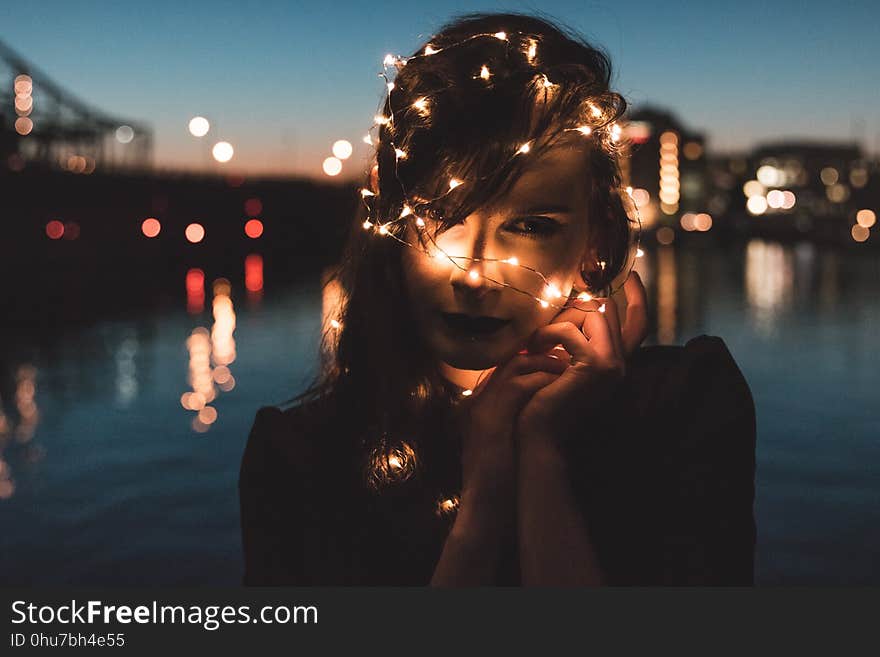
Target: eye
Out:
[535,227]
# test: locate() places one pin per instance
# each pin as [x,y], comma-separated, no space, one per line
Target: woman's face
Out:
[472,323]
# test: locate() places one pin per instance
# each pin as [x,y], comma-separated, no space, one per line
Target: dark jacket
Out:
[664,479]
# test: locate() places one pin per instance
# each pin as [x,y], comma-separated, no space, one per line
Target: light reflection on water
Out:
[120,443]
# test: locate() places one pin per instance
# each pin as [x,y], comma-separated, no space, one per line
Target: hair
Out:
[375,363]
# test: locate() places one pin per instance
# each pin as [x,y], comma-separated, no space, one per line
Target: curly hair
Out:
[454,119]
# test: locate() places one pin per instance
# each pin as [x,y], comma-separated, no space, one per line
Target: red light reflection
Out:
[195,291]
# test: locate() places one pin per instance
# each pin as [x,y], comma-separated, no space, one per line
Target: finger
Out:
[522,388]
[565,333]
[612,319]
[538,362]
[635,326]
[518,365]
[601,332]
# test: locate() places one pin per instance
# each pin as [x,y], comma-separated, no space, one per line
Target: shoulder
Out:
[283,439]
[684,377]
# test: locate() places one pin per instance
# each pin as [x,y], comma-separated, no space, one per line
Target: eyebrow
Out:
[547,208]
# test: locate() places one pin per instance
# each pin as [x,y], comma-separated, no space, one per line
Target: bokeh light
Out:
[253,207]
[151,227]
[222,151]
[253,228]
[199,126]
[23,125]
[342,149]
[859,233]
[54,229]
[829,175]
[665,235]
[866,218]
[756,205]
[71,230]
[195,233]
[332,166]
[124,134]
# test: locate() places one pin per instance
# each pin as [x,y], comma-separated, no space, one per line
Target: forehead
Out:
[560,173]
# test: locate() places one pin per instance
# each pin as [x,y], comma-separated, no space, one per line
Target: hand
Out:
[487,421]
[595,349]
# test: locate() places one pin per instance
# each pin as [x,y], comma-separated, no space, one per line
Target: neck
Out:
[464,378]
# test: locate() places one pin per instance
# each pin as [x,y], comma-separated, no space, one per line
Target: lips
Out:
[473,325]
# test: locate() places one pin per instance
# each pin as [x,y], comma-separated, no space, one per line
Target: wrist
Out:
[536,449]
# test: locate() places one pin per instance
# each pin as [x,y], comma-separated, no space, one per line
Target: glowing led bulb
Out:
[585,296]
[421,104]
[544,304]
[552,291]
[420,222]
[383,230]
[525,148]
[639,253]
[429,50]
[394,462]
[501,35]
[467,392]
[335,324]
[602,308]
[484,72]
[595,111]
[367,225]
[512,260]
[532,50]
[401,155]
[366,192]
[406,211]
[454,183]
[585,129]
[473,274]
[546,81]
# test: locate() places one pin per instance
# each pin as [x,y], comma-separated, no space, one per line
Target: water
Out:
[107,480]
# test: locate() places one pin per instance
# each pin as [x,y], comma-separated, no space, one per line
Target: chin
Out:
[475,356]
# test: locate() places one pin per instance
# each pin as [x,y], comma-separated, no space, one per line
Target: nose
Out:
[470,254]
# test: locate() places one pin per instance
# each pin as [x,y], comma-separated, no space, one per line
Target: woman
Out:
[484,414]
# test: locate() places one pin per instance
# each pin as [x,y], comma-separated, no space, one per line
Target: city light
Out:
[866,218]
[23,125]
[342,149]
[253,207]
[769,176]
[124,134]
[859,233]
[253,228]
[151,227]
[54,229]
[756,205]
[332,166]
[829,175]
[199,126]
[669,180]
[222,151]
[195,233]
[754,188]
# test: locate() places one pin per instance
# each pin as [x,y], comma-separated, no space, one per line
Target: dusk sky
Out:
[282,81]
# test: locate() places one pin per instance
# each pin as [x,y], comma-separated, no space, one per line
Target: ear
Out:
[374,179]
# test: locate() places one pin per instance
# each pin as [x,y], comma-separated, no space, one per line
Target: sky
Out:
[282,81]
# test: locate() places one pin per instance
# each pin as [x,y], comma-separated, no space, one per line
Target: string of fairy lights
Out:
[398,462]
[609,134]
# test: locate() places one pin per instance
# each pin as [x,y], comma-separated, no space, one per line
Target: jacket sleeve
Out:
[269,516]
[711,524]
